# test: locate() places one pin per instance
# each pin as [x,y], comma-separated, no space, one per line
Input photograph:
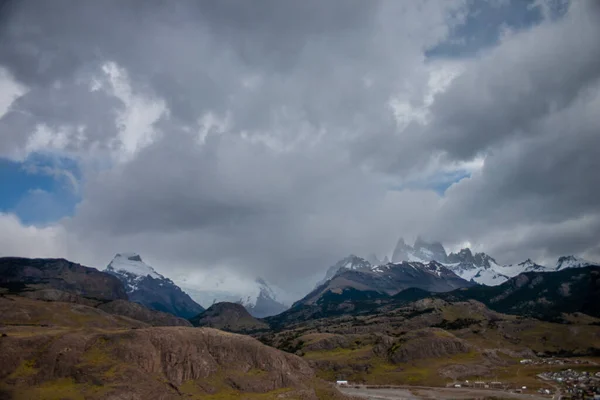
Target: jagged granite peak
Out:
[402,251]
[484,260]
[430,251]
[146,286]
[463,256]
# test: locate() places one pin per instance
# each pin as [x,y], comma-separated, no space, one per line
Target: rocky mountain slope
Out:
[230,317]
[545,295]
[151,289]
[388,279]
[20,274]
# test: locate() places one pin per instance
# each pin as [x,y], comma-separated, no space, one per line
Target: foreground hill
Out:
[148,363]
[146,286]
[60,344]
[432,341]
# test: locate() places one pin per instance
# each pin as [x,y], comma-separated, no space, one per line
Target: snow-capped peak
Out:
[572,262]
[132,264]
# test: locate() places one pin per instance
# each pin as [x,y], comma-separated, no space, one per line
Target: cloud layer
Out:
[274,139]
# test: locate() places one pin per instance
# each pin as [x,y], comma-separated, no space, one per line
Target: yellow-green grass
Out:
[361,365]
[58,389]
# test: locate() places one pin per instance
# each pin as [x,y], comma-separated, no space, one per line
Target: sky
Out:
[273,138]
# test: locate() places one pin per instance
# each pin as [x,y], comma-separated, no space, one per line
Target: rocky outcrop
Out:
[141,313]
[230,317]
[427,343]
[19,274]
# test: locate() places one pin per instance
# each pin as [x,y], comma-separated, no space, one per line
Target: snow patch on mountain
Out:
[572,262]
[132,269]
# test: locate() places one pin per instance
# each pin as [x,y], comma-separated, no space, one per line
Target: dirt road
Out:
[434,393]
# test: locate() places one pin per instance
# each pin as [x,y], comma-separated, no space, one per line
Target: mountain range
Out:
[479,268]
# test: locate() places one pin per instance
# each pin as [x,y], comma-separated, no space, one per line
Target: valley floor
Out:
[435,393]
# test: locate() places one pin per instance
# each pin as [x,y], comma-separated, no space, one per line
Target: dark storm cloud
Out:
[541,189]
[297,169]
[528,76]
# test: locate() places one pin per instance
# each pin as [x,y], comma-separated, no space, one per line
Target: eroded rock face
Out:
[430,343]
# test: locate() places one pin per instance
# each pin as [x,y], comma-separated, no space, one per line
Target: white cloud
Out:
[18,239]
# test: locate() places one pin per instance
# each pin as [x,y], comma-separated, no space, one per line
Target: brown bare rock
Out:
[141,313]
[20,274]
[230,317]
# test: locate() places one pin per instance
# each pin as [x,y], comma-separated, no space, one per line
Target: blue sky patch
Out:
[484,24]
[439,183]
[39,190]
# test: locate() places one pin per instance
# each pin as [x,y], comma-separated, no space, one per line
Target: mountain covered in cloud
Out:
[146,286]
[260,298]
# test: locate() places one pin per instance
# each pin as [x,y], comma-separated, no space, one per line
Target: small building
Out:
[341,383]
